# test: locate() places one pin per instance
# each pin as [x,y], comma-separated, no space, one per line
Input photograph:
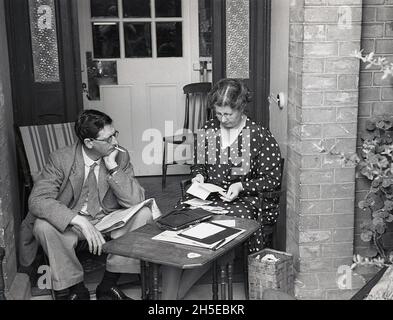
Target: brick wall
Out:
[322,114]
[9,207]
[376,95]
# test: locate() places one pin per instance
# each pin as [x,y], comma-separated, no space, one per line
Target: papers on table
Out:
[203,230]
[173,236]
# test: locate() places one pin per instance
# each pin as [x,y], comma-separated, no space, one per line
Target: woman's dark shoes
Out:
[112,293]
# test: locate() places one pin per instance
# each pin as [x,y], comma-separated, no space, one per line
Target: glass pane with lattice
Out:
[137,39]
[104,8]
[169,39]
[136,8]
[168,8]
[106,40]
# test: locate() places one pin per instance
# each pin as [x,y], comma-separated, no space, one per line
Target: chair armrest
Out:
[183,186]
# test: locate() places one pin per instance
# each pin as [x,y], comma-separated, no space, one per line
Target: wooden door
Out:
[147,102]
[44,58]
[257,80]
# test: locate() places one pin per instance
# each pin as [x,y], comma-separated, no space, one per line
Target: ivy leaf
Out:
[389,218]
[380,228]
[363,204]
[388,205]
[370,125]
[366,236]
[386,183]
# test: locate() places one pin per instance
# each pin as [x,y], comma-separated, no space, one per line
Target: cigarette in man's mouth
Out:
[117,148]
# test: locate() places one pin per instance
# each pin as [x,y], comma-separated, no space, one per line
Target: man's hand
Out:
[110,160]
[233,192]
[93,236]
[198,178]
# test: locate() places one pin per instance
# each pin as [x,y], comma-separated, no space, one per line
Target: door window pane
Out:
[136,8]
[168,8]
[104,8]
[169,39]
[137,39]
[106,40]
[44,40]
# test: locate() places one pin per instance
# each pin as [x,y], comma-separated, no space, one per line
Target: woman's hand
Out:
[233,192]
[198,178]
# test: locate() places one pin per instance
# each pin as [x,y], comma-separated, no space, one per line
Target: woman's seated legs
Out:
[177,282]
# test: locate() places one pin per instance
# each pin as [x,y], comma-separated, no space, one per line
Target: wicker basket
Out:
[270,274]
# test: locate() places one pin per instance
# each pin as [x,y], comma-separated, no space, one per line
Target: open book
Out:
[119,218]
[202,190]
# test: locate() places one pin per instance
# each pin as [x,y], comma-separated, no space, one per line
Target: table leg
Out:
[223,278]
[143,280]
[230,288]
[215,281]
[245,269]
[154,267]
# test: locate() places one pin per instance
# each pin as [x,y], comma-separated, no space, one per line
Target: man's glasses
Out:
[110,138]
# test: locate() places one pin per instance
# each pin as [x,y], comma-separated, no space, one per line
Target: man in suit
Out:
[79,186]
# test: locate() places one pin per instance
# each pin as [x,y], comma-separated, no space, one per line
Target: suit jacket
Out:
[59,186]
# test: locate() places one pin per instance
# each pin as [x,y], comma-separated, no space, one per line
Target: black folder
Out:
[221,235]
[180,219]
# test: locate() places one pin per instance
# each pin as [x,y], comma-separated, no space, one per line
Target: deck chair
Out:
[195,115]
[33,146]
[269,231]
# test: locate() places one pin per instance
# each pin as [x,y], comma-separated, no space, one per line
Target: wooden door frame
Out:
[68,47]
[260,15]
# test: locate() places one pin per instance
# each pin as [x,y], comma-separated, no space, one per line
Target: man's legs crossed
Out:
[65,267]
[121,264]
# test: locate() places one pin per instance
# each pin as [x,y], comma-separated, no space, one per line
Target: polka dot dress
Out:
[252,159]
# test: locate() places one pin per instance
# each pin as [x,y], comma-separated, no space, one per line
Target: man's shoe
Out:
[113,293]
[79,295]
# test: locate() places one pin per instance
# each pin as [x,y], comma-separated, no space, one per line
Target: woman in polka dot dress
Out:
[245,160]
[240,156]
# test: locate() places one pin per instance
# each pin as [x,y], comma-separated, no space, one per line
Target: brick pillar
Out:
[376,94]
[322,114]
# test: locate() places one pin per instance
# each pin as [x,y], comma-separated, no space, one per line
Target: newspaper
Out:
[119,218]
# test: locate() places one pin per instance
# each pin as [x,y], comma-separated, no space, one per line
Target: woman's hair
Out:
[229,92]
[90,123]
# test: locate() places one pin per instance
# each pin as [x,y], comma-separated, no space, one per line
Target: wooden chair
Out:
[196,113]
[269,231]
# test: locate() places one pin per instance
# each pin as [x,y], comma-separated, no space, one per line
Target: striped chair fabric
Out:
[39,141]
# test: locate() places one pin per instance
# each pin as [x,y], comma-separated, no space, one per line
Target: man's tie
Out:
[93,203]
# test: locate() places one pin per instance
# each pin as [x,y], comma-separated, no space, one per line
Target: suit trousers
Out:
[66,270]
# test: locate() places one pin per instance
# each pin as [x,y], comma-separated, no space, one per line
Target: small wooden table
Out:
[138,244]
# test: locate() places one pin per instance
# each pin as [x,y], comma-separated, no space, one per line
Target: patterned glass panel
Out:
[169,39]
[137,39]
[168,8]
[103,8]
[136,9]
[237,38]
[44,40]
[106,40]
